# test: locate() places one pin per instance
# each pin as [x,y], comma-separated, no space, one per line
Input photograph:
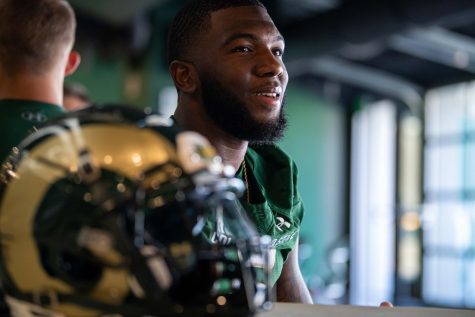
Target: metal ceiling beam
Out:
[115,12]
[359,22]
[314,5]
[437,45]
[363,77]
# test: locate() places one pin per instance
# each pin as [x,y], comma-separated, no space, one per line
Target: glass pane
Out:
[448,216]
[448,226]
[442,280]
[452,109]
[432,169]
[432,114]
[470,284]
[469,166]
[450,174]
[430,214]
[470,108]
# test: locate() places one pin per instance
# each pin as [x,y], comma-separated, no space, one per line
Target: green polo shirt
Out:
[19,117]
[276,207]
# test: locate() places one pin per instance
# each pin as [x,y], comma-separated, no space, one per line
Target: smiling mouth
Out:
[270,100]
[274,92]
[268,95]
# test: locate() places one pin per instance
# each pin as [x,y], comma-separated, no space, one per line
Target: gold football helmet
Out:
[109,211]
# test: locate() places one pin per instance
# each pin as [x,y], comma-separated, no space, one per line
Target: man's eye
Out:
[278,52]
[242,49]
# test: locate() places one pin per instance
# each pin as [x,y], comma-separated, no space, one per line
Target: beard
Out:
[232,115]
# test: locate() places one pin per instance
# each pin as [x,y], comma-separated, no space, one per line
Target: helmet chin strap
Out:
[19,308]
[33,305]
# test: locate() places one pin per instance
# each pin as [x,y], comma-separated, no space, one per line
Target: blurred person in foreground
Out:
[36,40]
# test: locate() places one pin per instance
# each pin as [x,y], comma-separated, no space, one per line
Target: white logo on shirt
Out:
[221,238]
[285,238]
[33,116]
[225,239]
[282,223]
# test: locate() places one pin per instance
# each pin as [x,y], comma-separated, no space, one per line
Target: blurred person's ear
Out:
[74,59]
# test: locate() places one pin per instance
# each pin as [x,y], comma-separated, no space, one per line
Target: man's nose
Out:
[269,65]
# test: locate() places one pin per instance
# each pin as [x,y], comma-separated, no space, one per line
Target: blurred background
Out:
[381,104]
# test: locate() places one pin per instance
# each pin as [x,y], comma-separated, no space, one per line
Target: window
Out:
[373,169]
[449,197]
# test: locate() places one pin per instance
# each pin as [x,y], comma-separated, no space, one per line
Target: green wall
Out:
[109,78]
[102,76]
[315,140]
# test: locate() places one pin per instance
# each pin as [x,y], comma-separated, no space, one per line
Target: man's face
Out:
[243,77]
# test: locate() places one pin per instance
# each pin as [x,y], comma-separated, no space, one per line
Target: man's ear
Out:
[184,75]
[74,59]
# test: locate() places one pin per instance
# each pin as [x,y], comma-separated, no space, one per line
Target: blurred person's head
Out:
[34,34]
[36,41]
[75,97]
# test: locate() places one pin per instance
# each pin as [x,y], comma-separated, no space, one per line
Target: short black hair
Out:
[193,19]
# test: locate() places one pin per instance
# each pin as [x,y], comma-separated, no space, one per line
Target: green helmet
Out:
[109,211]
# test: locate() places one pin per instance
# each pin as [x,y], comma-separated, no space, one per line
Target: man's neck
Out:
[27,87]
[231,149]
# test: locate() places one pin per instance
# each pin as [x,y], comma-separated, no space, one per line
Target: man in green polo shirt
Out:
[36,40]
[225,58]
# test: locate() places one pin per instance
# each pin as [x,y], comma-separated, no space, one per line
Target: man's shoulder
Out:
[270,155]
[276,173]
[18,117]
[15,107]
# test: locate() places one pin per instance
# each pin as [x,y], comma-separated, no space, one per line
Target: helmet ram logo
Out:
[115,223]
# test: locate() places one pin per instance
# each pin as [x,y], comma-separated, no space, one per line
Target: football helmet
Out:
[109,211]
